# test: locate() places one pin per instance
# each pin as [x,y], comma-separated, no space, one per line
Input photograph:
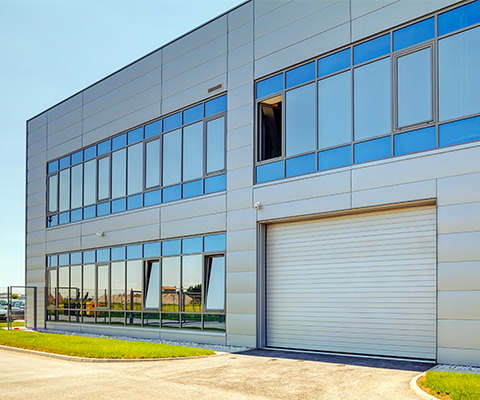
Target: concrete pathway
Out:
[257,374]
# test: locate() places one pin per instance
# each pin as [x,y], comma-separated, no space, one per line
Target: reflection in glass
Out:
[300,75]
[117,318]
[151,319]
[193,151]
[117,297]
[134,318]
[172,156]
[90,174]
[88,299]
[103,178]
[300,165]
[52,193]
[170,320]
[300,120]
[215,183]
[335,110]
[63,287]
[414,87]
[191,321]
[215,281]
[459,80]
[102,286]
[152,285]
[134,285]
[214,322]
[413,34]
[152,164]
[64,190]
[192,283]
[118,173]
[135,168]
[372,103]
[77,181]
[270,172]
[75,286]
[52,288]
[170,283]
[216,145]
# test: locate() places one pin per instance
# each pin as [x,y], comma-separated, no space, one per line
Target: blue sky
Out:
[51,49]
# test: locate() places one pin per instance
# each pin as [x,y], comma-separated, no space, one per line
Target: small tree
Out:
[15,296]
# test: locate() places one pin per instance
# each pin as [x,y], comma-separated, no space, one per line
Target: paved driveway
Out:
[258,374]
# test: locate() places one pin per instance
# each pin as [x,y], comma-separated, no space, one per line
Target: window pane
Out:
[372,150]
[118,205]
[414,88]
[215,299]
[76,215]
[193,151]
[334,63]
[372,49]
[118,253]
[89,153]
[270,86]
[170,283]
[135,135]
[409,142]
[134,202]
[152,164]
[335,158]
[104,147]
[213,322]
[459,18]
[103,178]
[172,156]
[89,183]
[152,198]
[193,114]
[270,172]
[53,167]
[117,299]
[215,242]
[192,283]
[75,287]
[63,287]
[64,162]
[151,250]
[300,165]
[103,209]
[77,183]
[118,173]
[134,285]
[102,286]
[300,75]
[52,193]
[152,285]
[215,106]
[216,145]
[192,189]
[103,255]
[459,131]
[459,80]
[134,251]
[215,183]
[300,120]
[335,110]
[52,287]
[119,141]
[372,113]
[135,168]
[77,157]
[171,247]
[270,137]
[172,193]
[172,122]
[413,34]
[153,129]
[192,245]
[88,295]
[64,190]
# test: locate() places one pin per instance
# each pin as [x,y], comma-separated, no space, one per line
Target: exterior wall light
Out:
[100,233]
[256,206]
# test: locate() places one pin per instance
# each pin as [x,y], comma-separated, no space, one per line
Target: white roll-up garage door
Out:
[363,283]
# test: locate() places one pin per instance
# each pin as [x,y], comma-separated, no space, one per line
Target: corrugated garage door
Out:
[363,283]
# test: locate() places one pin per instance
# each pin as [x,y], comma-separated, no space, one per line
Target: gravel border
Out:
[465,369]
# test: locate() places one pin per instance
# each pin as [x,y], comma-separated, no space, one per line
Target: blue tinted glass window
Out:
[171,247]
[89,212]
[64,162]
[53,261]
[192,189]
[215,106]
[300,165]
[192,245]
[372,150]
[215,184]
[103,255]
[152,198]
[270,172]
[104,147]
[215,242]
[63,259]
[459,18]
[89,153]
[64,218]
[153,129]
[409,142]
[172,193]
[172,122]
[119,141]
[372,49]
[53,166]
[334,63]
[151,250]
[335,158]
[76,258]
[52,220]
[118,253]
[103,209]
[134,251]
[269,86]
[76,215]
[193,114]
[136,135]
[77,157]
[300,75]
[413,34]
[459,131]
[118,205]
[135,202]
[89,257]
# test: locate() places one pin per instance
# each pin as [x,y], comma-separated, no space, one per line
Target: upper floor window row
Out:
[179,156]
[404,91]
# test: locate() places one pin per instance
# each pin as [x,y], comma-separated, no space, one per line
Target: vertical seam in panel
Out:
[350,20]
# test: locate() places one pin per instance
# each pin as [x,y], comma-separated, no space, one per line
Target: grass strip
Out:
[81,346]
[13,323]
[455,385]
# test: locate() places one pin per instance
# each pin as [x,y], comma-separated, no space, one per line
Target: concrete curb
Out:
[98,360]
[419,392]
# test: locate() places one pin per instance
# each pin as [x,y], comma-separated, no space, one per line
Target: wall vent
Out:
[215,88]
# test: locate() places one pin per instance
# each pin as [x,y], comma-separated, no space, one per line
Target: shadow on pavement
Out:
[341,359]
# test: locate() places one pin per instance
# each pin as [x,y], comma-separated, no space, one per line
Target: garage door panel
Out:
[363,284]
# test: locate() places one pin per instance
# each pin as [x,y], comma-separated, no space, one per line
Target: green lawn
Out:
[456,385]
[13,323]
[80,346]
